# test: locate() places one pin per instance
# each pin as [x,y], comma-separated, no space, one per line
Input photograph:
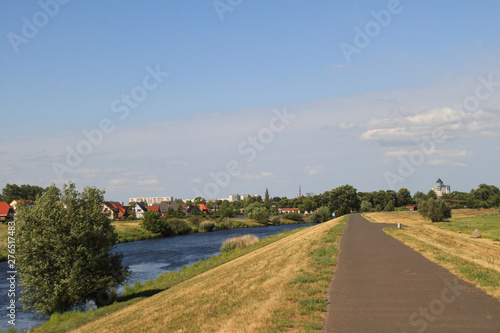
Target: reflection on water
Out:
[149,258]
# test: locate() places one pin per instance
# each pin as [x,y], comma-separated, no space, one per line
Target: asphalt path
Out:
[382,285]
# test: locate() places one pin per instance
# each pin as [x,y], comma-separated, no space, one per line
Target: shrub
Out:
[178,226]
[294,217]
[239,242]
[434,209]
[276,220]
[206,226]
[321,215]
[153,222]
[366,206]
[131,218]
[389,207]
[195,220]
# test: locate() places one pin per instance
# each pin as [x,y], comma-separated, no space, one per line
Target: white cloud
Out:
[148,182]
[314,170]
[346,126]
[196,180]
[248,176]
[120,181]
[421,126]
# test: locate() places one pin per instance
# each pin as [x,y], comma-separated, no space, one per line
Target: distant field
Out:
[474,260]
[488,225]
[129,231]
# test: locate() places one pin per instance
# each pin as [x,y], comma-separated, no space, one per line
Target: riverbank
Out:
[131,231]
[138,291]
[278,284]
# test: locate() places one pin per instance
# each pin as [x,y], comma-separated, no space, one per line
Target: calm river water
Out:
[147,259]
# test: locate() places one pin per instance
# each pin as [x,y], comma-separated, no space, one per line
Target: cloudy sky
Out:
[211,98]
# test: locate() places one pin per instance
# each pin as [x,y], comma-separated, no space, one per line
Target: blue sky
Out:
[354,121]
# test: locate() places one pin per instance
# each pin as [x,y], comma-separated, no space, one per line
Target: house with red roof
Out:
[203,208]
[6,211]
[122,211]
[154,209]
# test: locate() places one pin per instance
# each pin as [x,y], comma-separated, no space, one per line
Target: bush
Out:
[434,209]
[294,217]
[366,206]
[131,218]
[276,220]
[389,207]
[239,242]
[321,215]
[206,226]
[178,226]
[153,222]
[195,220]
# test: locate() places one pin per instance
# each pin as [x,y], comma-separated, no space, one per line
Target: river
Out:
[147,259]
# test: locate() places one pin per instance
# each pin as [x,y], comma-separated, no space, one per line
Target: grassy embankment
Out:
[272,286]
[474,260]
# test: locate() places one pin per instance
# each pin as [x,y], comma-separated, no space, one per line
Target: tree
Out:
[431,195]
[64,251]
[258,211]
[404,197]
[266,198]
[260,214]
[366,206]
[321,215]
[195,210]
[199,200]
[13,192]
[343,200]
[179,212]
[389,207]
[435,209]
[307,205]
[153,222]
[418,197]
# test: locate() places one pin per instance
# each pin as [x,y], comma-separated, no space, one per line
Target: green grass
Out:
[62,323]
[488,225]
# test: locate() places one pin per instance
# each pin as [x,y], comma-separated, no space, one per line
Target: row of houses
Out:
[115,210]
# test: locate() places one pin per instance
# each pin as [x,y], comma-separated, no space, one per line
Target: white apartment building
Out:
[150,201]
[440,188]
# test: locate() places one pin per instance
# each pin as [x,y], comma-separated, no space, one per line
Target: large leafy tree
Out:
[434,209]
[343,200]
[404,197]
[64,251]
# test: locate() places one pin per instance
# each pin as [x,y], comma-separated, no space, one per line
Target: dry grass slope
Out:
[240,296]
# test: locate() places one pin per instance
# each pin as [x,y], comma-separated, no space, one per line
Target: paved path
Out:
[381,285]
